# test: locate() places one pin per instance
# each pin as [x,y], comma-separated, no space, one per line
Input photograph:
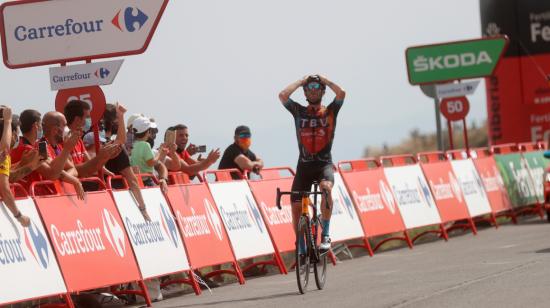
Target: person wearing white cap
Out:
[142,155]
[130,132]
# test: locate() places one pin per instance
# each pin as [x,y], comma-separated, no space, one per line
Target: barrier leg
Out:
[540,210]
[472,226]
[238,272]
[365,245]
[332,257]
[145,293]
[408,239]
[68,300]
[443,232]
[494,220]
[280,263]
[194,283]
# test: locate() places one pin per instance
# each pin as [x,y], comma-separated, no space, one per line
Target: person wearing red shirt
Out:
[187,164]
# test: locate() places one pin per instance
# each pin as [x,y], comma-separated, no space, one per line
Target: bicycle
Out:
[308,227]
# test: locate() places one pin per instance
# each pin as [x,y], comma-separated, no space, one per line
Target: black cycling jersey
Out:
[314,131]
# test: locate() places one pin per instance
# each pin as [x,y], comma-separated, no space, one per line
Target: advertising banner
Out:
[202,227]
[493,184]
[242,219]
[537,165]
[472,187]
[446,191]
[157,244]
[89,240]
[517,179]
[25,255]
[278,221]
[374,201]
[413,195]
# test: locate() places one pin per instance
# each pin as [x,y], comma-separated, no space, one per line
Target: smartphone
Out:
[201,149]
[170,137]
[43,150]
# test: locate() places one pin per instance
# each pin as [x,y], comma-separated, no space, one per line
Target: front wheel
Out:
[302,261]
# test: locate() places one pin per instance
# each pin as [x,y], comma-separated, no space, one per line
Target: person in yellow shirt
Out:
[6,142]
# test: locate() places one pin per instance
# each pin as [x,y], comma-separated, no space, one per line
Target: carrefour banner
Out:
[537,164]
[242,219]
[472,187]
[26,258]
[157,244]
[517,179]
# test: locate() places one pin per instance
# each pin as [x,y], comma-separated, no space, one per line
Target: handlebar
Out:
[301,194]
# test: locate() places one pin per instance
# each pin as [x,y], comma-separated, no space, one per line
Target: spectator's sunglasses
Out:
[313,86]
[244,135]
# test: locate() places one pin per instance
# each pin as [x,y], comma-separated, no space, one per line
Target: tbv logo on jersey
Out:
[198,225]
[130,19]
[127,20]
[11,251]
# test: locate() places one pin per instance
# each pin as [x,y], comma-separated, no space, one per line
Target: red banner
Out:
[89,240]
[201,225]
[374,200]
[278,221]
[493,184]
[446,191]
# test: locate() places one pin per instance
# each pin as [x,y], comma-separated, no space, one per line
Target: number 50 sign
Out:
[93,96]
[455,108]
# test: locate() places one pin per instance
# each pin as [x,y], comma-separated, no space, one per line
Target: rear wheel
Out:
[302,261]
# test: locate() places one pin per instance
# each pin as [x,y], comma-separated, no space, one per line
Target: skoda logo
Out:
[114,233]
[169,224]
[387,196]
[255,214]
[455,186]
[213,219]
[37,244]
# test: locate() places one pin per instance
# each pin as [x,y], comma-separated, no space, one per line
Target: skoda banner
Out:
[517,179]
[537,164]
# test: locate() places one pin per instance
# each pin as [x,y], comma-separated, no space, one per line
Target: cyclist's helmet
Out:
[314,79]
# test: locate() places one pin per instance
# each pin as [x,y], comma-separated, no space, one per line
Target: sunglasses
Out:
[313,86]
[244,135]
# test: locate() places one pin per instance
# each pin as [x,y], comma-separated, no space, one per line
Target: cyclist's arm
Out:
[285,94]
[340,93]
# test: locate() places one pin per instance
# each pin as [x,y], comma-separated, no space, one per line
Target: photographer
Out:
[188,165]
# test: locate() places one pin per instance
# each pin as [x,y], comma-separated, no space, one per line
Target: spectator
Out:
[239,156]
[55,165]
[78,118]
[130,132]
[188,164]
[7,141]
[113,125]
[142,155]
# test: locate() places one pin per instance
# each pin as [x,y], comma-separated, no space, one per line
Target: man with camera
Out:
[188,165]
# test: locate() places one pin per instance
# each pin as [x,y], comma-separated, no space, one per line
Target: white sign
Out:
[26,257]
[472,187]
[242,219]
[413,196]
[157,244]
[456,89]
[47,32]
[84,75]
[344,223]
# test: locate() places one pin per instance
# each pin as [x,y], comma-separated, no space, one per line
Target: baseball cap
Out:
[88,139]
[132,118]
[242,130]
[142,124]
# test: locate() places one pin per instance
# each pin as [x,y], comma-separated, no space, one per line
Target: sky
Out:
[216,64]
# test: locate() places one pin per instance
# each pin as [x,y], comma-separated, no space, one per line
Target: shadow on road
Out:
[547,250]
[238,300]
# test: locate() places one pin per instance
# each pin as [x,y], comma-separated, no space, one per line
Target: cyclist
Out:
[315,128]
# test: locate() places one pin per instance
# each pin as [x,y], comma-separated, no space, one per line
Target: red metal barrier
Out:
[201,226]
[405,160]
[230,175]
[89,233]
[446,190]
[373,202]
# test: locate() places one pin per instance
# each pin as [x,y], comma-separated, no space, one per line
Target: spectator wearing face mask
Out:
[239,156]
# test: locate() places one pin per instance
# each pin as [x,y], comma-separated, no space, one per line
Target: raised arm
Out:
[285,94]
[340,93]
[5,142]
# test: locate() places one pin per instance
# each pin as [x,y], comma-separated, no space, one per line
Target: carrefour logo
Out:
[255,214]
[169,225]
[102,73]
[346,201]
[214,219]
[387,196]
[130,19]
[37,244]
[114,233]
[425,191]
